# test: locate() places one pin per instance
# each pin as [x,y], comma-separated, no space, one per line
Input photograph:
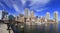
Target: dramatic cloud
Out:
[35,2]
[41,2]
[16,7]
[19,5]
[38,5]
[23,2]
[41,9]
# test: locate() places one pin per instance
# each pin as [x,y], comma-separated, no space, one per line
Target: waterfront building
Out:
[0,14]
[56,16]
[32,14]
[26,12]
[48,16]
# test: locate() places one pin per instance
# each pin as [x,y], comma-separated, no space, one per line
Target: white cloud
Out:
[38,5]
[18,10]
[42,9]
[42,2]
[35,5]
[23,2]
[16,7]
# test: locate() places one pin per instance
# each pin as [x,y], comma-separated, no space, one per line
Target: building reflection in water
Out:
[40,28]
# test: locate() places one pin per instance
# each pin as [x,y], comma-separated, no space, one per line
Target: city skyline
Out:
[40,8]
[30,15]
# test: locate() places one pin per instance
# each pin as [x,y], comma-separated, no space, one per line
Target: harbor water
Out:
[41,28]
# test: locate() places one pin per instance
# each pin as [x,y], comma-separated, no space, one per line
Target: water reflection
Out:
[37,27]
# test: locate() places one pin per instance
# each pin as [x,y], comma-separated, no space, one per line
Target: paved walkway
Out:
[3,28]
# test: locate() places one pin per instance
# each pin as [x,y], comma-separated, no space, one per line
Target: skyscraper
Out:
[0,14]
[26,12]
[32,13]
[56,16]
[29,14]
[48,16]
[4,13]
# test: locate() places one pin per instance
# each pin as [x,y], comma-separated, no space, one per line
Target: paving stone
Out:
[3,28]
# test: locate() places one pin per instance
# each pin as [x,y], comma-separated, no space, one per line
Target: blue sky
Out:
[40,7]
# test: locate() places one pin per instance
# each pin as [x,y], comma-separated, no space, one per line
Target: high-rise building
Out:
[3,14]
[26,12]
[0,14]
[33,18]
[32,13]
[29,13]
[56,16]
[48,16]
